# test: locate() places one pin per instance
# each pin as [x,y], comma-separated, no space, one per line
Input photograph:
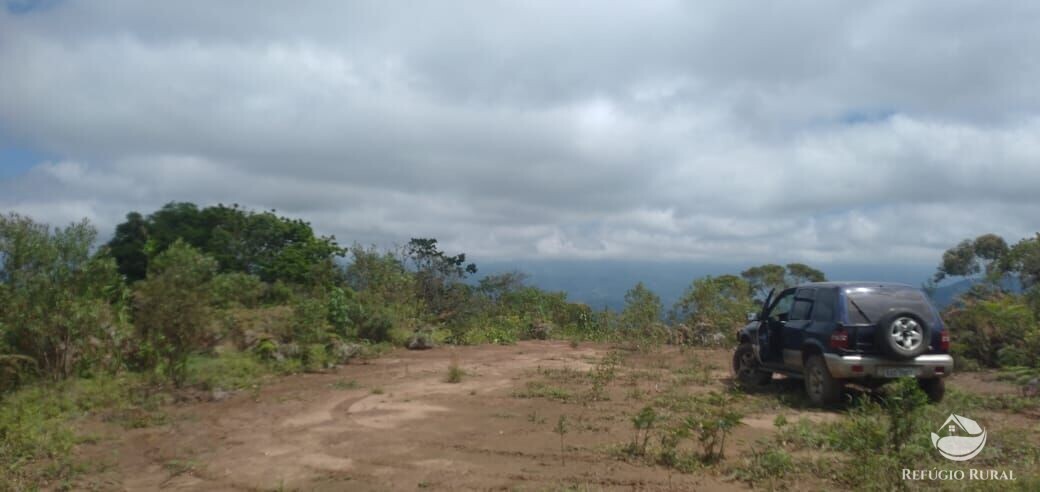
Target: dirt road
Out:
[395,423]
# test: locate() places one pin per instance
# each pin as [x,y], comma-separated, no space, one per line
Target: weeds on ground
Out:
[455,372]
[344,384]
[541,389]
[561,429]
[36,424]
[667,432]
[767,462]
[534,418]
[602,375]
[229,371]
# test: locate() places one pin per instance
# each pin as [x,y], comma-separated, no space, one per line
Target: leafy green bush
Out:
[989,330]
[228,371]
[315,357]
[171,307]
[237,289]
[310,320]
[374,325]
[62,307]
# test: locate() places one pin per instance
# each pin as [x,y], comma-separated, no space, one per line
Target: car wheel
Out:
[935,388]
[746,369]
[822,388]
[903,335]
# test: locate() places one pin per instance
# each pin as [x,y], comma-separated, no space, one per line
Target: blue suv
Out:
[833,333]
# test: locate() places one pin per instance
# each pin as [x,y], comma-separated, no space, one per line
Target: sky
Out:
[829,132]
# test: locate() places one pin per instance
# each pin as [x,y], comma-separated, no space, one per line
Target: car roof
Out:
[858,283]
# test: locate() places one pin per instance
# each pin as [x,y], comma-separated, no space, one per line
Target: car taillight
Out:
[840,339]
[944,341]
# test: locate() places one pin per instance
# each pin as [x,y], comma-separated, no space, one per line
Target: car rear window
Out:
[876,302]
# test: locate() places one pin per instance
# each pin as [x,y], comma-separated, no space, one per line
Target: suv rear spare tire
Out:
[903,335]
[822,388]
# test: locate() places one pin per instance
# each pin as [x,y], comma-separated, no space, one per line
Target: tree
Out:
[61,304]
[439,276]
[642,308]
[972,256]
[263,244]
[379,275]
[495,287]
[128,246]
[800,273]
[1023,259]
[720,303]
[172,306]
[764,278]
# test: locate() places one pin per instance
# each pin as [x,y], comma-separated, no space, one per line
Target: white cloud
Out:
[718,132]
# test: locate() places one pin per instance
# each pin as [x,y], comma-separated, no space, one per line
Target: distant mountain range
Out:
[603,283]
[947,294]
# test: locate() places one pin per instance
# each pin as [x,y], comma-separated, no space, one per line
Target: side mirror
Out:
[752,316]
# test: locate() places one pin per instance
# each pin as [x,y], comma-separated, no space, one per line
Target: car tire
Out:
[903,335]
[820,386]
[746,370]
[935,388]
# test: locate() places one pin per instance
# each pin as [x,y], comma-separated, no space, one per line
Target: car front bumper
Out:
[864,366]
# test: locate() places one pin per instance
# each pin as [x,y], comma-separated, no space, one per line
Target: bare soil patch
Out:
[395,423]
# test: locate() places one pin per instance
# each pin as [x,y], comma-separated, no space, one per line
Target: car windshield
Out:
[876,302]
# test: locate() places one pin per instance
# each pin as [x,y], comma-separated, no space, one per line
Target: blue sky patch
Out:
[19,7]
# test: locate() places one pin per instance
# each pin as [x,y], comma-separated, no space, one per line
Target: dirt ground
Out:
[395,423]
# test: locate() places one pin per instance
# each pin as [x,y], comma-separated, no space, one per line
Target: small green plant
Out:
[377,391]
[767,462]
[670,455]
[455,372]
[344,384]
[315,357]
[714,421]
[541,389]
[534,418]
[904,401]
[561,429]
[643,422]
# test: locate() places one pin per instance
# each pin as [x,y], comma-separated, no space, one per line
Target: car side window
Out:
[782,307]
[801,309]
[826,299]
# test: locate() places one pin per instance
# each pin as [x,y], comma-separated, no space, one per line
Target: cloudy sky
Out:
[713,132]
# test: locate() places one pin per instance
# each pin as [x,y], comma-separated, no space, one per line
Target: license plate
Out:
[898,372]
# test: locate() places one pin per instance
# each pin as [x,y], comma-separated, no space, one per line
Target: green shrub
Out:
[310,320]
[266,349]
[767,462]
[374,325]
[338,309]
[228,371]
[61,306]
[237,289]
[903,403]
[171,306]
[315,357]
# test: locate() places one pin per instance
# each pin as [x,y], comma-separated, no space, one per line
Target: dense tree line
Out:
[257,243]
[185,280]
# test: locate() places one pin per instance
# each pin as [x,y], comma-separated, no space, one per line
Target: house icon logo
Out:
[959,438]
